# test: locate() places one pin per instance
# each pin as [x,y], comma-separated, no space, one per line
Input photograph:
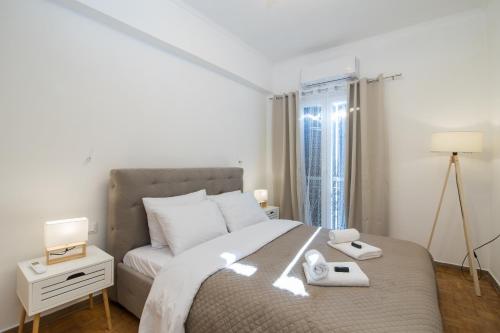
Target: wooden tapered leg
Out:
[91,301]
[470,251]
[22,320]
[106,307]
[440,203]
[36,323]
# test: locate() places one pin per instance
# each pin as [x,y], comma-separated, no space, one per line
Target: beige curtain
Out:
[285,156]
[366,185]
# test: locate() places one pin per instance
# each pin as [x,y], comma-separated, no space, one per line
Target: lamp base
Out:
[58,254]
[263,204]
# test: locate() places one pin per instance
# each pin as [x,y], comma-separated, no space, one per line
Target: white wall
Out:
[493,11]
[444,64]
[70,87]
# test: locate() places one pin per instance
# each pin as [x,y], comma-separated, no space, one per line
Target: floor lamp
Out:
[454,143]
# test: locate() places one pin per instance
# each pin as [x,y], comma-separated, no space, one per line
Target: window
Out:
[323,126]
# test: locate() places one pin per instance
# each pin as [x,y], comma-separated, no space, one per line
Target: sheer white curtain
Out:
[322,121]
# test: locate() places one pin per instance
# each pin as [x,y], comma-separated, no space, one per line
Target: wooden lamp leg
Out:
[470,251]
[440,202]
[106,308]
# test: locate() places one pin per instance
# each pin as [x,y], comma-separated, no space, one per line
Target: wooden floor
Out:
[460,309]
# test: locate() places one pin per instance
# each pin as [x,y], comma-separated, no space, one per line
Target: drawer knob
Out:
[74,276]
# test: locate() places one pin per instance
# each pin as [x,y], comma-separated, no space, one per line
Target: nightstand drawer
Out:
[71,285]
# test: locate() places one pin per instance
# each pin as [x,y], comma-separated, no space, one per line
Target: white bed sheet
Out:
[148,260]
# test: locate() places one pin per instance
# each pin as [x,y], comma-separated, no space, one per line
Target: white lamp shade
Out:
[65,232]
[459,142]
[260,195]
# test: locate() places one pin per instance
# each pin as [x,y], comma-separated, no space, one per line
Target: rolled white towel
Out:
[366,251]
[343,236]
[354,278]
[318,268]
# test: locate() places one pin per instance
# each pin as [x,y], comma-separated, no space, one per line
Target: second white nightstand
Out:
[272,212]
[63,283]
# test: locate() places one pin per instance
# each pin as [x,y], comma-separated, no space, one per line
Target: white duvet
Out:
[174,289]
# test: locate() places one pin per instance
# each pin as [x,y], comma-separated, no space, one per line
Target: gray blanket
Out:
[402,296]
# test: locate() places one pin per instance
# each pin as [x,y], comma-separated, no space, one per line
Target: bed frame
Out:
[127,226]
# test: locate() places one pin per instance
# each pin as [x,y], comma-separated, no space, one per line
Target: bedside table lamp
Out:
[454,143]
[66,236]
[261,196]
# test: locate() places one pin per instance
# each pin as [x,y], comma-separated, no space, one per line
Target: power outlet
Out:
[92,227]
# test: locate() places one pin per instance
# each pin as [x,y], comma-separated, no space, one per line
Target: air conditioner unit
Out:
[336,69]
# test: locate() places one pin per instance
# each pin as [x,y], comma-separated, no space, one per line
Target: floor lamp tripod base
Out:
[454,162]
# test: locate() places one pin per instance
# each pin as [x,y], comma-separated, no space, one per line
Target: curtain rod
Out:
[387,77]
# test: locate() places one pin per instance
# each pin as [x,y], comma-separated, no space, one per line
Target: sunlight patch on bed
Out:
[290,283]
[246,270]
[228,257]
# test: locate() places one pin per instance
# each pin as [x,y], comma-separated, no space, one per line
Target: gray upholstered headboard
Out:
[127,223]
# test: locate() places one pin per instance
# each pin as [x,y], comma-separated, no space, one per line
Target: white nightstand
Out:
[62,283]
[272,212]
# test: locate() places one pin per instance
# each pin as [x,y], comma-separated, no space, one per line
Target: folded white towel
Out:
[343,236]
[317,264]
[354,278]
[365,252]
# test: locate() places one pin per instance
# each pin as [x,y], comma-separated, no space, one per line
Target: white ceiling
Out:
[281,29]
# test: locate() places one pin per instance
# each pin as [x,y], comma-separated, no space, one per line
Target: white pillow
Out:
[186,226]
[155,233]
[240,210]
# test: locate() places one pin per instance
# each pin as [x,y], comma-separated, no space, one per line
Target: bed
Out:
[402,295]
